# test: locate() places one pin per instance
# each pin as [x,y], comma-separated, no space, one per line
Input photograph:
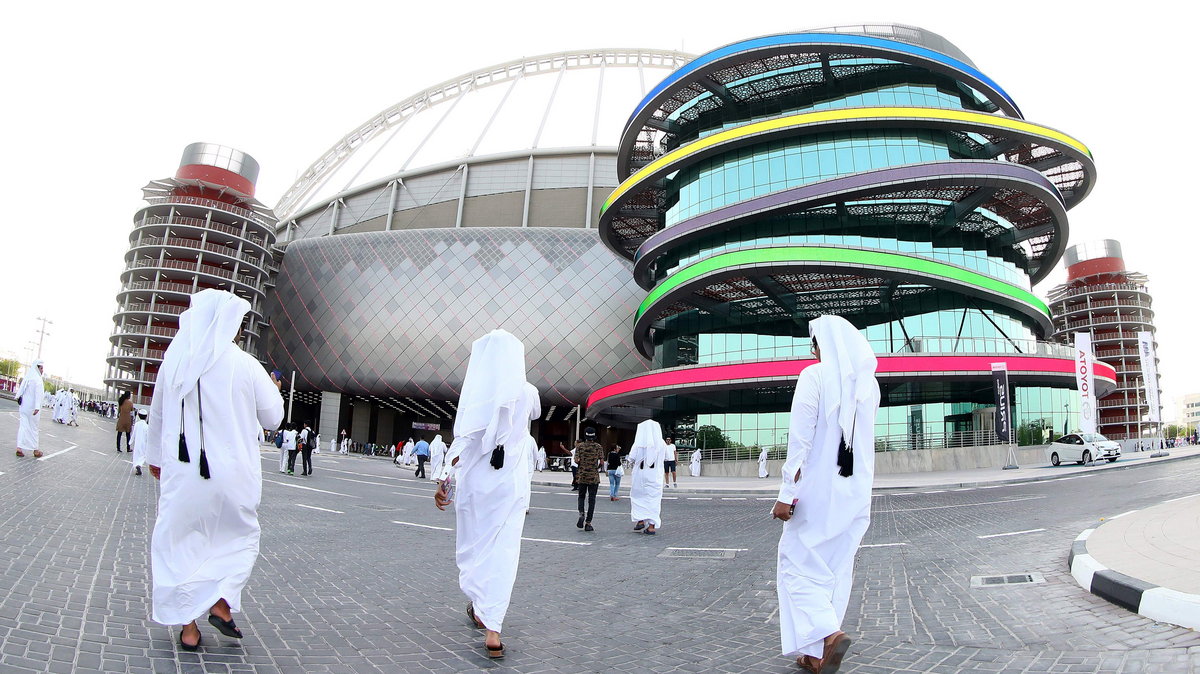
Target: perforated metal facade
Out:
[394,313]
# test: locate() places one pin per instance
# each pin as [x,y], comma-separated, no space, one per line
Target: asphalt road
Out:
[357,574]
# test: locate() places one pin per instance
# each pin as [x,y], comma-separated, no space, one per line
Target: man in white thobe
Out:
[762,463]
[73,411]
[138,439]
[30,393]
[695,465]
[60,406]
[647,455]
[487,464]
[209,404]
[437,457]
[825,495]
[541,459]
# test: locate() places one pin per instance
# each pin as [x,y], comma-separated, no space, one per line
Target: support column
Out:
[328,419]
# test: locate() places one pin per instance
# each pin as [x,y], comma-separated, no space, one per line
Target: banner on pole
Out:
[1085,381]
[1149,373]
[1003,404]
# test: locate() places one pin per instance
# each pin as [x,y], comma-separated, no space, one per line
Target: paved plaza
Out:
[357,574]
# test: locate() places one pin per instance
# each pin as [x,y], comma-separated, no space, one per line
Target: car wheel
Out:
[1087,456]
[1054,460]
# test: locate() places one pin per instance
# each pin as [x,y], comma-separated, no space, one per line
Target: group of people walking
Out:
[201,436]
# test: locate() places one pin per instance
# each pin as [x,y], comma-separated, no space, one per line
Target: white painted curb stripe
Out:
[1083,568]
[1171,606]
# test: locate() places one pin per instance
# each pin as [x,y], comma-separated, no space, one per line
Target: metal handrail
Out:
[161,285]
[122,375]
[157,308]
[883,443]
[1101,304]
[211,203]
[194,267]
[145,330]
[1107,320]
[182,242]
[153,354]
[1103,287]
[156,220]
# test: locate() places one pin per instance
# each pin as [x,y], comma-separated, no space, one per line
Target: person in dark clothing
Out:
[124,420]
[589,455]
[308,439]
[614,472]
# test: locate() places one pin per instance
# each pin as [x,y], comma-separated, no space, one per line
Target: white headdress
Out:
[206,332]
[847,353]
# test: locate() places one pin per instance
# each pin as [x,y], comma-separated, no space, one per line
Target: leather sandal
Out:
[192,648]
[20,454]
[225,627]
[37,453]
[639,526]
[809,664]
[835,651]
[494,653]
[474,618]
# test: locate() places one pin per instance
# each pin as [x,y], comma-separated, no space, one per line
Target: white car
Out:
[1082,448]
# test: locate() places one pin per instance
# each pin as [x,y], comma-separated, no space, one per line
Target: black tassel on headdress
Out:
[204,465]
[183,451]
[845,459]
[498,457]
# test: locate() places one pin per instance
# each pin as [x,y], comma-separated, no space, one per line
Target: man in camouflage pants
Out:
[588,454]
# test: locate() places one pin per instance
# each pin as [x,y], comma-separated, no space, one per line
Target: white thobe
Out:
[646,485]
[817,547]
[541,459]
[206,536]
[30,393]
[408,453]
[60,407]
[437,456]
[137,441]
[490,513]
[695,467]
[762,463]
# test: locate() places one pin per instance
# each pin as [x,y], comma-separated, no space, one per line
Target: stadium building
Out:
[869,171]
[468,206]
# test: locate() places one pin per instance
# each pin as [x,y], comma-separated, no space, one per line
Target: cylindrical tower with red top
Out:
[203,228]
[1105,299]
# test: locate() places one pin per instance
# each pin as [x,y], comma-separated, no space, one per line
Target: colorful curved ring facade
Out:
[883,179]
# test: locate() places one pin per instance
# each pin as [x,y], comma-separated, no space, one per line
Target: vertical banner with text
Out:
[1086,382]
[1003,404]
[1149,373]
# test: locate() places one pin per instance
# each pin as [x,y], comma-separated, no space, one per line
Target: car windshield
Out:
[1093,437]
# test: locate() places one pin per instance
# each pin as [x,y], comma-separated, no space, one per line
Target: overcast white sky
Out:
[100,98]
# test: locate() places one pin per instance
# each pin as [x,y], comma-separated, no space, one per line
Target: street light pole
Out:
[42,334]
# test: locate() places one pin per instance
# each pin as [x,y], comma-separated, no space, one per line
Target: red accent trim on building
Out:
[908,364]
[214,174]
[1100,265]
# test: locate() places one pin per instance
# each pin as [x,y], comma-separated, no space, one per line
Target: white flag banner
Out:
[1085,381]
[1149,373]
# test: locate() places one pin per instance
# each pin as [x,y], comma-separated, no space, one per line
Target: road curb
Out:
[1133,594]
[772,490]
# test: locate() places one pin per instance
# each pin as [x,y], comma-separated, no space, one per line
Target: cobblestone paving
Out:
[347,582]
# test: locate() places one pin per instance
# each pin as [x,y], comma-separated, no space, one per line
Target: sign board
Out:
[422,426]
[1085,381]
[1149,374]
[1003,403]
